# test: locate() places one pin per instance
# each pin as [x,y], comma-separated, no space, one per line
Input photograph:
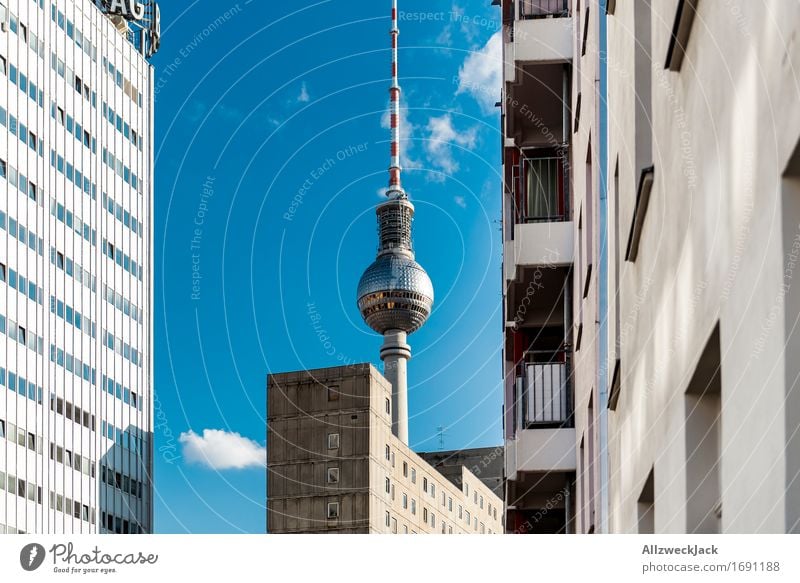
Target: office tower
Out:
[76,163]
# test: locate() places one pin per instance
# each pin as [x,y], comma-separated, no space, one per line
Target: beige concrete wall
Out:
[711,253]
[585,205]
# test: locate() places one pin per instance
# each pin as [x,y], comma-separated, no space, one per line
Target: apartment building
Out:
[651,225]
[704,216]
[76,164]
[335,466]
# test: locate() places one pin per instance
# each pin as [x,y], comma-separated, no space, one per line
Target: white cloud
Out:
[442,136]
[222,450]
[304,96]
[459,200]
[481,74]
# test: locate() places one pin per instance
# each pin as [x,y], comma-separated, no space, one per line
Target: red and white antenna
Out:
[395,188]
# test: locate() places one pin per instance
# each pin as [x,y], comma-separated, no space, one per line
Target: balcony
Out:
[542,235]
[530,9]
[544,436]
[541,32]
[543,390]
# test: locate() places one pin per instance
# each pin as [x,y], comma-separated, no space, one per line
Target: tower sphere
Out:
[395,293]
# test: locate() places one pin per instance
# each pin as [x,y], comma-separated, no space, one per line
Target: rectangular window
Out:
[388,452]
[405,500]
[388,518]
[405,469]
[333,510]
[333,475]
[333,393]
[388,485]
[413,476]
[425,515]
[413,506]
[333,441]
[425,484]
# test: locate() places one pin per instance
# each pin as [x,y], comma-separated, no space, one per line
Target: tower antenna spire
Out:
[395,189]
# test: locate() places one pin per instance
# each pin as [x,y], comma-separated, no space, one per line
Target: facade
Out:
[484,462]
[650,235]
[704,215]
[76,164]
[335,466]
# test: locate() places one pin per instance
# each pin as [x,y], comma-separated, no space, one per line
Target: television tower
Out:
[395,294]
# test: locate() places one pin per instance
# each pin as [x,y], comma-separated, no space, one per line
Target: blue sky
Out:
[271,152]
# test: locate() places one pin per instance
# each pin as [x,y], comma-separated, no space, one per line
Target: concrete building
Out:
[76,164]
[650,238]
[550,136]
[704,216]
[484,462]
[335,466]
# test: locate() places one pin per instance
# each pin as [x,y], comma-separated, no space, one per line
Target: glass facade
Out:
[76,167]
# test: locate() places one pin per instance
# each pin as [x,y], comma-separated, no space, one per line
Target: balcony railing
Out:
[541,186]
[529,9]
[543,390]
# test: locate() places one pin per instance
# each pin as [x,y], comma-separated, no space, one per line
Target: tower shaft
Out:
[395,354]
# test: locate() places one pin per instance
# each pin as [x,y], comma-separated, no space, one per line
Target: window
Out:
[413,476]
[333,441]
[405,529]
[467,517]
[388,518]
[405,469]
[433,490]
[483,528]
[333,393]
[405,500]
[444,499]
[449,504]
[394,526]
[481,502]
[333,510]
[433,520]
[460,512]
[413,506]
[425,515]
[388,452]
[466,488]
[425,484]
[388,485]
[333,475]
[475,497]
[388,407]
[444,527]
